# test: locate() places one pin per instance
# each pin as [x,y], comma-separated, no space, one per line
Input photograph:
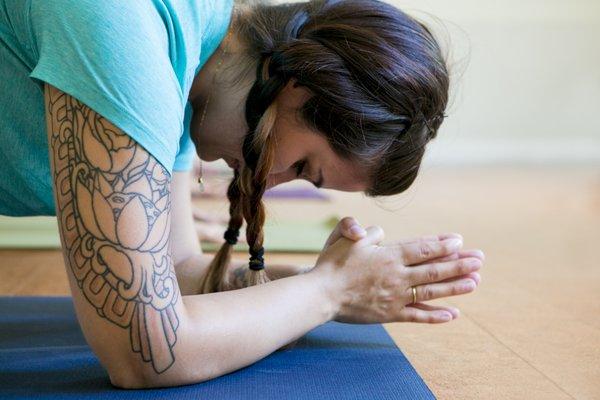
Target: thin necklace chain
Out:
[223,52]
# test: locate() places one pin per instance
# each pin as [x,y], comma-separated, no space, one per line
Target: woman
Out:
[345,94]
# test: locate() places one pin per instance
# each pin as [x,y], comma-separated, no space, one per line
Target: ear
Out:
[293,95]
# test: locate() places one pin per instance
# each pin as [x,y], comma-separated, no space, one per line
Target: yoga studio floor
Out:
[532,328]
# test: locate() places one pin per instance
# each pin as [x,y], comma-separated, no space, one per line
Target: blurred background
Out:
[527,82]
[515,169]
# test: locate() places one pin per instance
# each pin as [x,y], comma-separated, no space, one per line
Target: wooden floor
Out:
[532,328]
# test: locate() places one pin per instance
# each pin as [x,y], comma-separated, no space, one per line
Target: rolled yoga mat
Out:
[43,355]
[304,236]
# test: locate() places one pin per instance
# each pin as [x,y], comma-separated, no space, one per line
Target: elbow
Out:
[132,381]
[130,371]
[137,377]
[128,380]
[123,382]
[123,378]
[133,378]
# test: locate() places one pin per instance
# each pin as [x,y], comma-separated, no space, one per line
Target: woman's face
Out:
[296,145]
[298,148]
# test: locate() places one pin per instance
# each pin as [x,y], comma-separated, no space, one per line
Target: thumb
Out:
[349,228]
[375,235]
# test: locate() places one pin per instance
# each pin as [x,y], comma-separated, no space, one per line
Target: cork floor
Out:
[532,328]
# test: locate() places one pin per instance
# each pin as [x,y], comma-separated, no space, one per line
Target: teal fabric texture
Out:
[133,62]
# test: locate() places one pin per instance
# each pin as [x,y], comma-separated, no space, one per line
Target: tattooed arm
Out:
[113,206]
[113,203]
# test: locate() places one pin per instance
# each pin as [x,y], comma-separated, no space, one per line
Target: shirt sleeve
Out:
[113,55]
[187,152]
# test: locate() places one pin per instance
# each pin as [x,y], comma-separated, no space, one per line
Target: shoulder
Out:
[110,17]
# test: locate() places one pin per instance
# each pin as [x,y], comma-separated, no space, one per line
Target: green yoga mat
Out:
[280,236]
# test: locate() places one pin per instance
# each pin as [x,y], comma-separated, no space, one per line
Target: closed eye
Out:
[299,167]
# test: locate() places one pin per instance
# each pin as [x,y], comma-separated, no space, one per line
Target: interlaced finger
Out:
[435,272]
[422,250]
[442,289]
[428,315]
[430,238]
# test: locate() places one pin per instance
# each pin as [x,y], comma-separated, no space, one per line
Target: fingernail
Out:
[446,316]
[482,255]
[357,230]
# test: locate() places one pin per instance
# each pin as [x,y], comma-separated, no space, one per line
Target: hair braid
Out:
[259,144]
[259,153]
[248,186]
[215,279]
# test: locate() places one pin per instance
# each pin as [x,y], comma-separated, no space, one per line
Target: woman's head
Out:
[302,152]
[359,78]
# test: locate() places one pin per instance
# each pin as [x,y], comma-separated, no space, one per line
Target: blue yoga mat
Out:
[43,355]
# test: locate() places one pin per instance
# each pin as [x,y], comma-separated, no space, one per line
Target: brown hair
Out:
[379,88]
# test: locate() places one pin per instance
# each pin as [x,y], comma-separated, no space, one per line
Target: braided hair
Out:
[379,88]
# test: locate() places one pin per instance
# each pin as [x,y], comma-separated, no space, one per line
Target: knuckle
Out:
[458,236]
[455,289]
[462,267]
[425,250]
[378,229]
[428,293]
[433,275]
[404,257]
[412,316]
[347,222]
[446,245]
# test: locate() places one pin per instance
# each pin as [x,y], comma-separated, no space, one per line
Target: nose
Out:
[279,178]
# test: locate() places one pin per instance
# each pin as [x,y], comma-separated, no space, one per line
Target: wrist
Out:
[329,290]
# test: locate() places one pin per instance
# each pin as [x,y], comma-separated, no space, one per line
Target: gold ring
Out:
[414,292]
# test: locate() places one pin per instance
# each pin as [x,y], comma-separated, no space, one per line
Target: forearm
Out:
[190,272]
[226,331]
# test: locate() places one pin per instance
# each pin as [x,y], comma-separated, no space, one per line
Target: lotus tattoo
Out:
[114,220]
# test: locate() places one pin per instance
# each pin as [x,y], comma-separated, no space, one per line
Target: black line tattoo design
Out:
[113,205]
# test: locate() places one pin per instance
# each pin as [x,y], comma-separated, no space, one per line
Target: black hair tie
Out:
[231,236]
[257,261]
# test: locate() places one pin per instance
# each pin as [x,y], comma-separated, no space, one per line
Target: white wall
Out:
[530,89]
[527,83]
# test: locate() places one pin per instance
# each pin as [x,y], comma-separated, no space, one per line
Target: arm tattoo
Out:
[113,206]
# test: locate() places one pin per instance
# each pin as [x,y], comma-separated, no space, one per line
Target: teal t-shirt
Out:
[131,61]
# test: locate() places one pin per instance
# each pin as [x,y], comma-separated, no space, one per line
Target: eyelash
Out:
[300,167]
